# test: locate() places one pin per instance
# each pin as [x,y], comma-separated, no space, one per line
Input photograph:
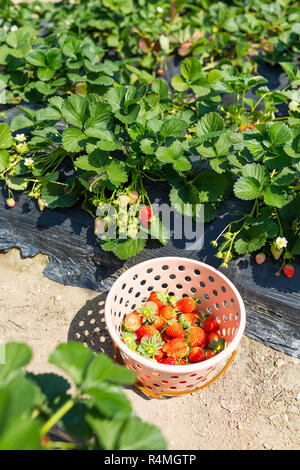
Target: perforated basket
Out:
[183,277]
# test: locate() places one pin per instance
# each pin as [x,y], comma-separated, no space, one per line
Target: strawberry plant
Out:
[95,415]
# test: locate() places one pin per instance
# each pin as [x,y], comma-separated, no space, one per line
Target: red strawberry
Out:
[166,337]
[260,258]
[197,354]
[133,321]
[160,356]
[213,339]
[209,353]
[175,329]
[190,318]
[288,270]
[146,330]
[210,324]
[186,305]
[197,337]
[157,298]
[169,360]
[159,323]
[167,312]
[145,215]
[10,202]
[176,348]
[160,72]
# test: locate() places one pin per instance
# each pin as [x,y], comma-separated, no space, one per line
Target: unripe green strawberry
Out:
[276,251]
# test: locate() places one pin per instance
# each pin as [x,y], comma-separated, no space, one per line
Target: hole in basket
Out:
[217,306]
[202,284]
[215,292]
[173,388]
[172,276]
[137,294]
[198,301]
[209,309]
[144,299]
[130,290]
[194,290]
[141,378]
[236,315]
[183,382]
[231,317]
[157,277]
[165,267]
[179,286]
[138,366]
[115,298]
[148,376]
[223,332]
[135,277]
[123,286]
[197,272]
[223,289]
[121,300]
[150,288]
[224,303]
[184,295]
[232,301]
[126,303]
[174,377]
[181,268]
[193,375]
[155,385]
[229,331]
[171,294]
[133,306]
[187,278]
[206,296]
[164,286]
[149,270]
[165,382]
[225,317]
[218,319]
[143,282]
[211,279]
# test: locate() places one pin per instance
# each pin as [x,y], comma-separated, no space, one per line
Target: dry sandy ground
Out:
[254,405]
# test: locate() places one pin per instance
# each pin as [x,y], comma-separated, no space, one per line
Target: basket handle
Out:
[154,395]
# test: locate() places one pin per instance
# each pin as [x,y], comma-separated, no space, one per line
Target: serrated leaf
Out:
[124,249]
[275,196]
[74,110]
[116,173]
[247,188]
[209,123]
[4,160]
[6,139]
[73,139]
[254,170]
[250,239]
[16,183]
[211,185]
[279,134]
[172,127]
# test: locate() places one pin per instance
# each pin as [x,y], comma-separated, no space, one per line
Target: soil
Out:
[254,405]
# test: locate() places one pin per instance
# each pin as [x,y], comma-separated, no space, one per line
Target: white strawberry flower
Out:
[159,10]
[20,138]
[293,105]
[14,28]
[28,161]
[281,242]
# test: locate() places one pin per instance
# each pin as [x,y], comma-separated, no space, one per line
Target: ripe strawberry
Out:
[10,202]
[175,329]
[146,330]
[176,348]
[209,353]
[160,72]
[210,324]
[158,298]
[288,270]
[169,361]
[197,337]
[197,354]
[167,312]
[165,337]
[133,321]
[145,215]
[160,356]
[190,318]
[213,336]
[186,305]
[260,258]
[159,323]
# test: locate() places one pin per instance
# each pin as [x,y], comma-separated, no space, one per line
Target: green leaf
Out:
[138,435]
[173,127]
[255,170]
[95,161]
[124,249]
[37,58]
[74,359]
[74,110]
[110,400]
[17,183]
[290,69]
[209,123]
[17,355]
[102,368]
[247,188]
[179,83]
[250,239]
[116,172]
[275,196]
[184,198]
[279,133]
[4,160]
[59,195]
[6,139]
[100,115]
[107,431]
[20,122]
[73,139]
[211,185]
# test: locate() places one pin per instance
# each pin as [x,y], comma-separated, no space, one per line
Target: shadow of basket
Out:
[89,327]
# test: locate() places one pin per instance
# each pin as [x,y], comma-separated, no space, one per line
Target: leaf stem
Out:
[57,416]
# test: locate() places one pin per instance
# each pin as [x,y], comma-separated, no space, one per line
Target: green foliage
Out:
[97,412]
